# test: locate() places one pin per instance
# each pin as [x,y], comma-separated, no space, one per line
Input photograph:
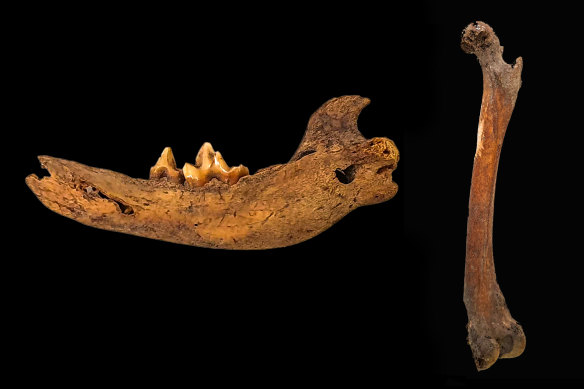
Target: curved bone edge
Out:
[493,333]
[333,125]
[278,206]
[210,164]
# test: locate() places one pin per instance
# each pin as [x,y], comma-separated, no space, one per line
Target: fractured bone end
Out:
[480,39]
[477,38]
[385,148]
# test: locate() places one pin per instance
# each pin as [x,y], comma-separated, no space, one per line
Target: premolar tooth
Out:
[210,164]
[205,156]
[166,167]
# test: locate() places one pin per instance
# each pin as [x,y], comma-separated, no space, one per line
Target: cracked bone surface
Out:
[334,170]
[492,332]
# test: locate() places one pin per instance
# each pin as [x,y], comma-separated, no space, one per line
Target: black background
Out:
[378,297]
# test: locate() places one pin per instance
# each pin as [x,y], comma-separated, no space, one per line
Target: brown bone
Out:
[334,171]
[492,332]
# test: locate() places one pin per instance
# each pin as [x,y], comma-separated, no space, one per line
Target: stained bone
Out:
[278,206]
[492,332]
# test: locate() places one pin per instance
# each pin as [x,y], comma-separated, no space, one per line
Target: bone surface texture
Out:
[492,332]
[334,171]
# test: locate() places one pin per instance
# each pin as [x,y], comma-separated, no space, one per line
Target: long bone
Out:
[492,332]
[334,171]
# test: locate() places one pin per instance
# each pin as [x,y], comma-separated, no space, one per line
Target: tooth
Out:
[236,173]
[166,167]
[210,164]
[194,176]
[205,156]
[220,162]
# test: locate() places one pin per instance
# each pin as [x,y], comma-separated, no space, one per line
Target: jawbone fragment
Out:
[334,171]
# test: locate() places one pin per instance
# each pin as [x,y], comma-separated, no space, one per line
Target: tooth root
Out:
[210,164]
[166,167]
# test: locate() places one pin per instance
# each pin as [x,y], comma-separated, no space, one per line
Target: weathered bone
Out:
[334,171]
[492,332]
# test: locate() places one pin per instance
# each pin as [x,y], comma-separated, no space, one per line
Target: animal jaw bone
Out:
[334,171]
[492,332]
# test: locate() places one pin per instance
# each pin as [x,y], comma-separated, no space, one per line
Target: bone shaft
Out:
[480,268]
[493,333]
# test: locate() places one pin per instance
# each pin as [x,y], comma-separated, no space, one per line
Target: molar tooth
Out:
[235,173]
[194,176]
[210,164]
[166,167]
[220,162]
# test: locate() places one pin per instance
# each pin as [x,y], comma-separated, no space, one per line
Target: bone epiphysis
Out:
[334,171]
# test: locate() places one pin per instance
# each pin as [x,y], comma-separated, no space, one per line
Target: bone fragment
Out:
[334,171]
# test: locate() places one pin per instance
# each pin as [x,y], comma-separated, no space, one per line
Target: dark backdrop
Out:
[376,297]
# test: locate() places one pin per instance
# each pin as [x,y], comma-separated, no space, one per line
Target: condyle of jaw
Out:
[334,171]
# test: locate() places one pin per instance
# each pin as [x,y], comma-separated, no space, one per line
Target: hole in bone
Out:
[347,175]
[125,209]
[384,168]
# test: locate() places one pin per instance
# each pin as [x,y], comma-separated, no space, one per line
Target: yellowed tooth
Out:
[220,162]
[210,164]
[205,156]
[194,176]
[166,167]
[235,173]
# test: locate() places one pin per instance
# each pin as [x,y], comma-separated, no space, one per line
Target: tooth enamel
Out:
[210,164]
[220,162]
[205,156]
[166,167]
[194,176]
